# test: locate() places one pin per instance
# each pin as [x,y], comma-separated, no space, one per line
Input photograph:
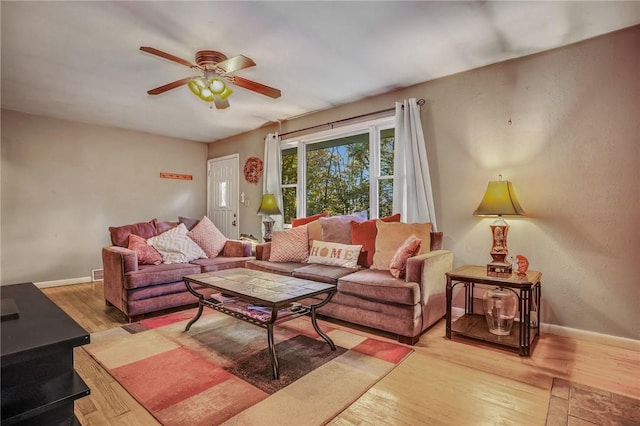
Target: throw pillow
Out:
[365,233]
[408,249]
[175,247]
[120,234]
[164,226]
[314,230]
[146,254]
[305,220]
[392,235]
[335,254]
[337,229]
[189,223]
[208,237]
[291,245]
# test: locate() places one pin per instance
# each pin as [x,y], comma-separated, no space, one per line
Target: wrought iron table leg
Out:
[200,305]
[272,352]
[315,322]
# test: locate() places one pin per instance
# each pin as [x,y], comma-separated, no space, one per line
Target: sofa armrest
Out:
[236,248]
[116,262]
[429,270]
[263,251]
[119,259]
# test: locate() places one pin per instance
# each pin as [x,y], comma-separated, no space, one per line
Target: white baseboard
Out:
[588,336]
[45,284]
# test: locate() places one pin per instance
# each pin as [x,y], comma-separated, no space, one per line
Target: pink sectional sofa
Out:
[137,289]
[405,306]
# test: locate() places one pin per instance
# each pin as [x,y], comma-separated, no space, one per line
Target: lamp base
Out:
[499,269]
[268,228]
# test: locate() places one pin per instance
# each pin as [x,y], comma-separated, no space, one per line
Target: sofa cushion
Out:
[323,273]
[337,229]
[208,237]
[306,220]
[365,233]
[146,254]
[176,247]
[283,268]
[220,263]
[380,286]
[148,275]
[291,245]
[335,254]
[408,249]
[120,234]
[392,235]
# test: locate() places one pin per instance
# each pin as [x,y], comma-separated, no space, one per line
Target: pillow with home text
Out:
[334,254]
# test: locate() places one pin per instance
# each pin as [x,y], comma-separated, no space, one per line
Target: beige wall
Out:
[65,183]
[563,127]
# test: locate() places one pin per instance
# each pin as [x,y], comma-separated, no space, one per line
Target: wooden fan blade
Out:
[234,64]
[253,86]
[169,86]
[168,56]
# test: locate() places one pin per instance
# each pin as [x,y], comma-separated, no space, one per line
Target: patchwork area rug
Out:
[219,372]
[576,404]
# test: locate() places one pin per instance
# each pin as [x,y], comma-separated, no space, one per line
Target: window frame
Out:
[373,127]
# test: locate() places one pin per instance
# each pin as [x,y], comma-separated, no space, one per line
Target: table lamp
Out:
[499,199]
[268,206]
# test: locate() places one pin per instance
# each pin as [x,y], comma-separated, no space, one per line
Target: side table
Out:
[528,289]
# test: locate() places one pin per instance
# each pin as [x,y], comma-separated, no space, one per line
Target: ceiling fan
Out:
[215,69]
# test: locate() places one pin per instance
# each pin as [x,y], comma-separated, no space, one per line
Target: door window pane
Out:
[222,194]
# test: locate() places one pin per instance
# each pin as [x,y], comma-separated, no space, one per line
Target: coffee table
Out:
[260,298]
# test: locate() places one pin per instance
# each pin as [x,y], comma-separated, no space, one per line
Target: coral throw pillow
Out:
[334,254]
[175,247]
[408,249]
[365,233]
[146,254]
[305,220]
[208,237]
[392,235]
[291,245]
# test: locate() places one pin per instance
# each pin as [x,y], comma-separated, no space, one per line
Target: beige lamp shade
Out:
[499,199]
[269,205]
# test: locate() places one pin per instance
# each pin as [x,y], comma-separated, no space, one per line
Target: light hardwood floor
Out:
[443,382]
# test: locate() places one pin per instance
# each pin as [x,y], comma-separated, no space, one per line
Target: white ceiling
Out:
[80,60]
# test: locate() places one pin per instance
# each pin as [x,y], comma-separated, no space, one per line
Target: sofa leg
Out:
[408,340]
[135,318]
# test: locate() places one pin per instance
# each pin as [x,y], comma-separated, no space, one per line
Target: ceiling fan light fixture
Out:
[207,90]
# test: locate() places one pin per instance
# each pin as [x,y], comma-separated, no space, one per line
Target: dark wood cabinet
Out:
[39,383]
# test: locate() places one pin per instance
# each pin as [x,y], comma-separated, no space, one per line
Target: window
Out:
[343,171]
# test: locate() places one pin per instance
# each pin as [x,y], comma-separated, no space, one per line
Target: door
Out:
[222,194]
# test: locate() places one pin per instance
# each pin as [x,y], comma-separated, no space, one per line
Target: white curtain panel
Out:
[412,193]
[272,174]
